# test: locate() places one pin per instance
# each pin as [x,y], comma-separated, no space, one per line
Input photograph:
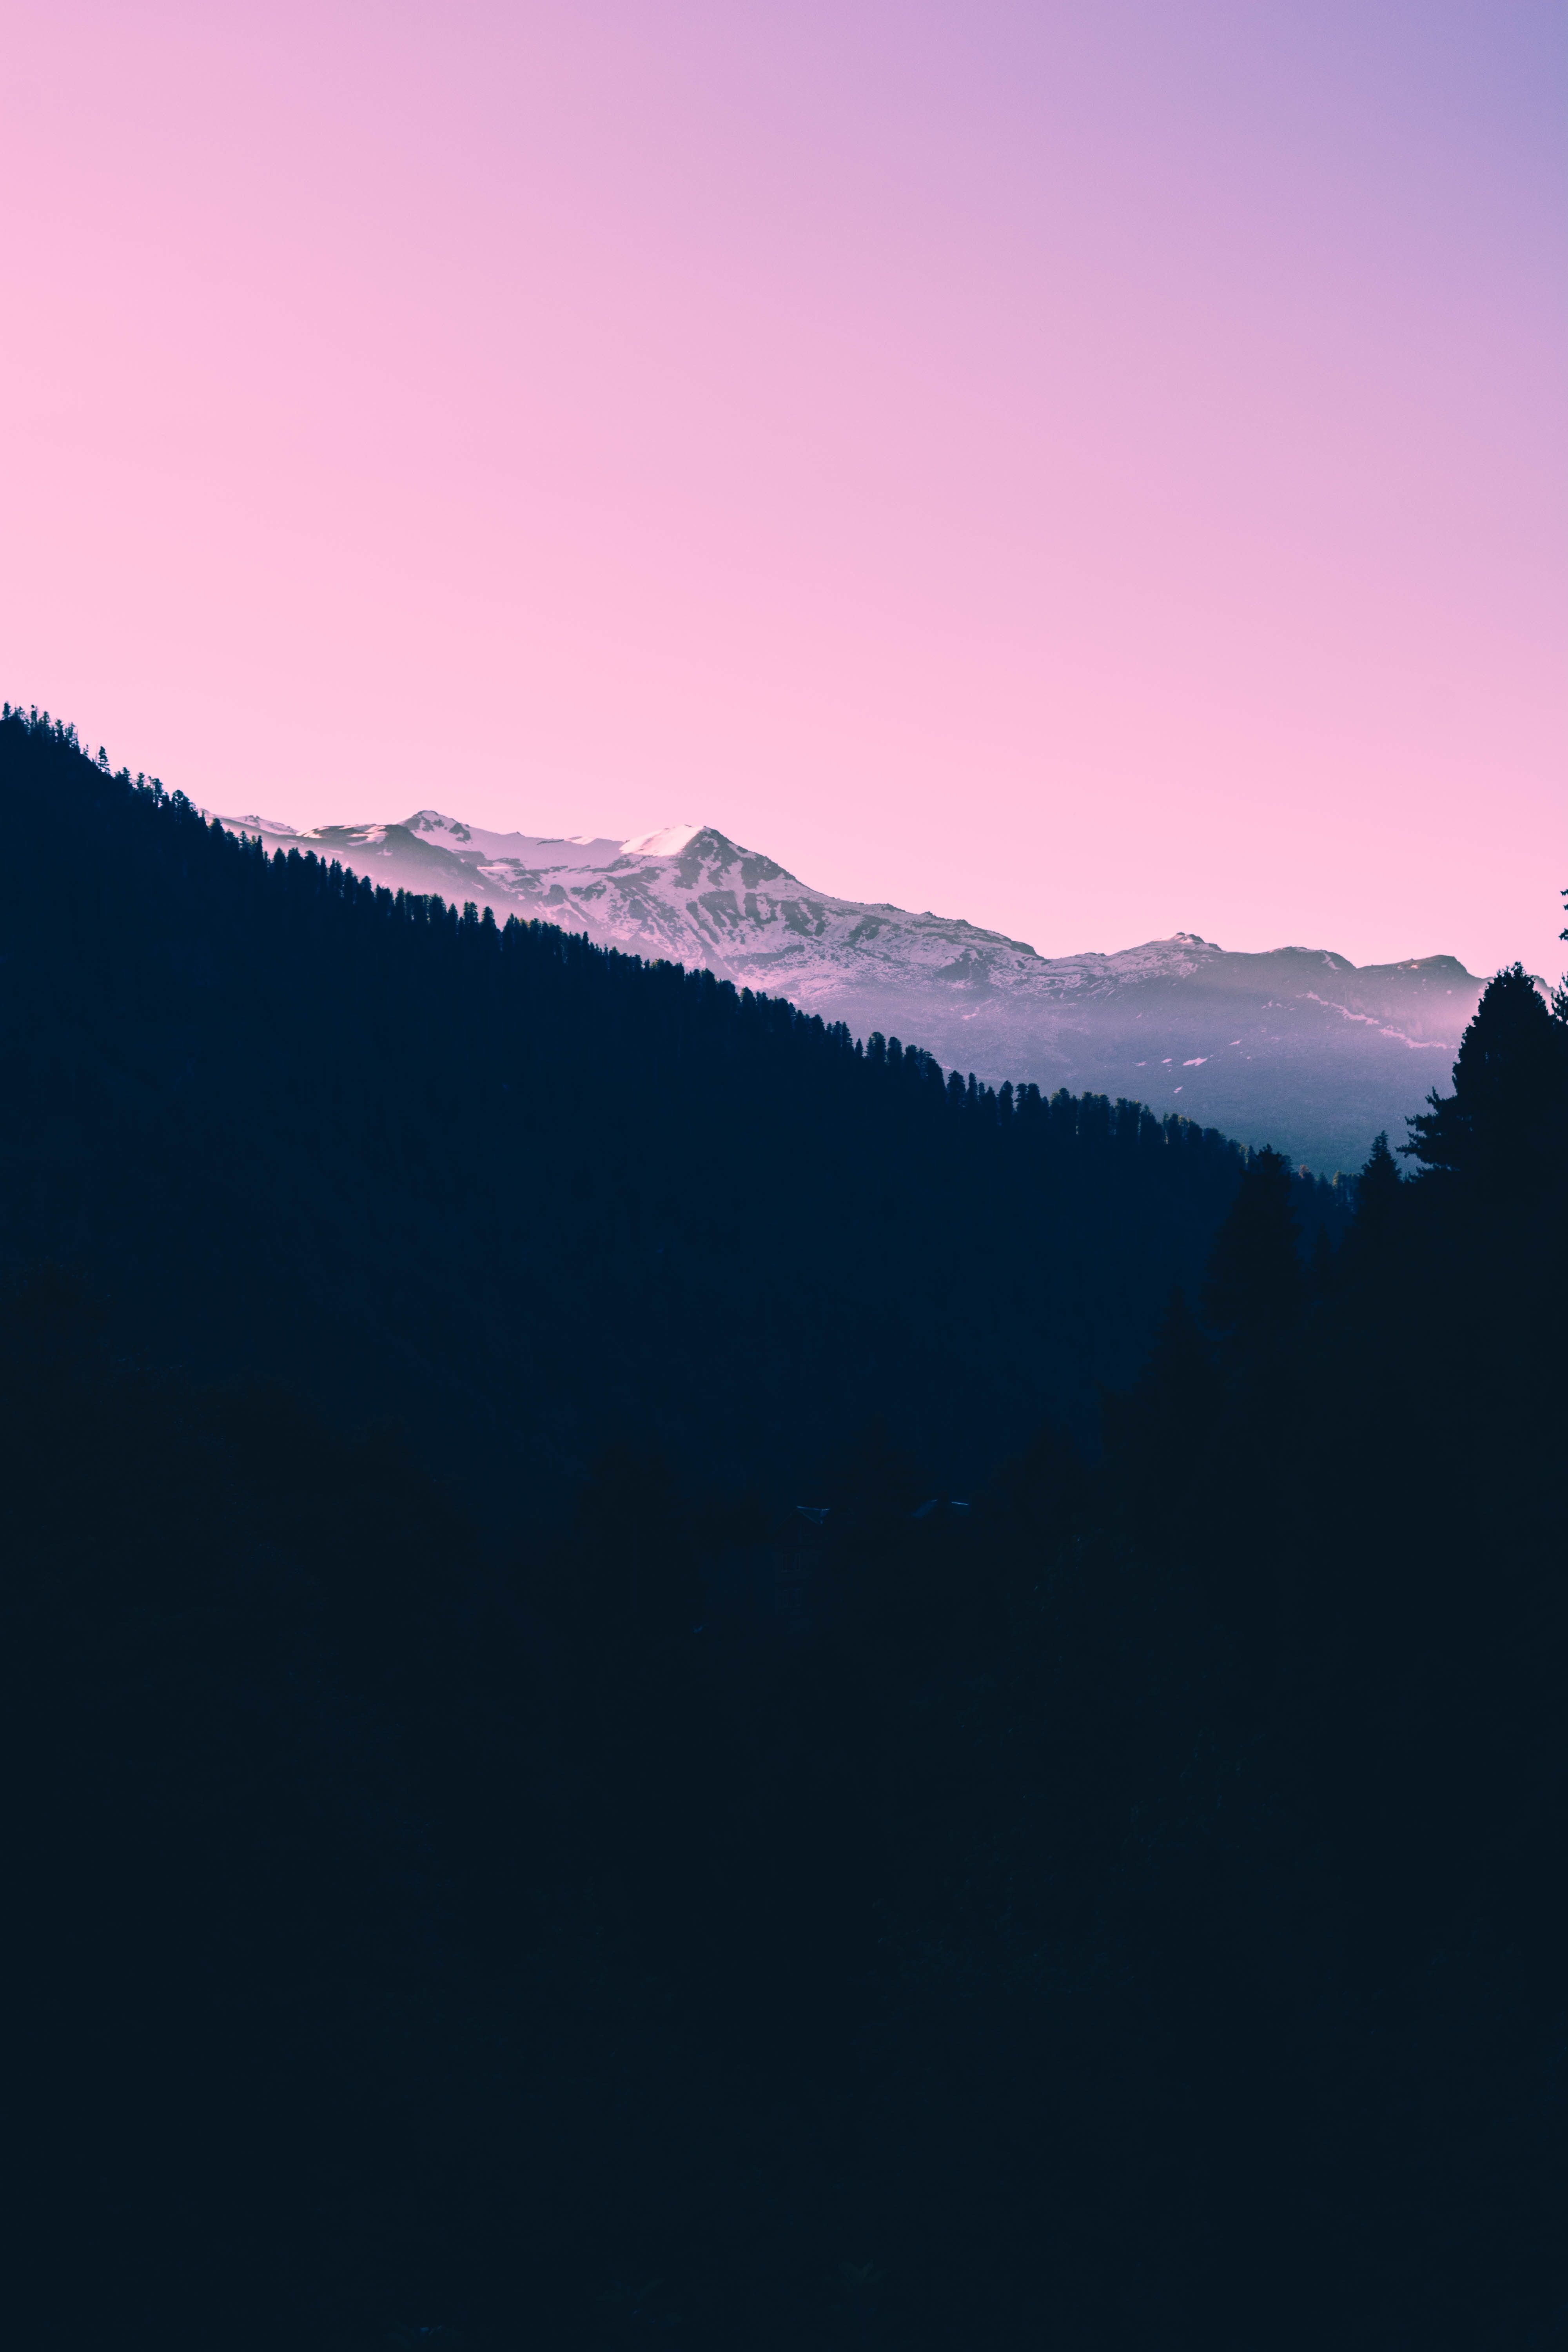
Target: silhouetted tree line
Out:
[532,1194]
[1126,1914]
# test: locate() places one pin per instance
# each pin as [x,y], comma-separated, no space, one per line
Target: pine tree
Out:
[1505,1125]
[1377,1195]
[1254,1287]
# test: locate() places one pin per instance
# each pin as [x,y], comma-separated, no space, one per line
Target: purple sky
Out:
[1096,469]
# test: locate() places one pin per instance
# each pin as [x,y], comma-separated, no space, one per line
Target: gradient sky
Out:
[1096,469]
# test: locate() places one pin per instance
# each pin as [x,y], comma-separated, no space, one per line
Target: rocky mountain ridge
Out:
[1298,1047]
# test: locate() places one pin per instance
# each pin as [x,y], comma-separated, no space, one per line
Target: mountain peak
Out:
[667,841]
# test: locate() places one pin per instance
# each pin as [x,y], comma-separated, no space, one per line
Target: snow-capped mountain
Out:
[1295,1047]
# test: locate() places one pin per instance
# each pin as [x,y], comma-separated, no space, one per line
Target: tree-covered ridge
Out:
[1295,1047]
[1122,1912]
[533,1190]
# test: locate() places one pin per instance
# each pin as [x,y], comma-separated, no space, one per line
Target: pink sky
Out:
[1094,467]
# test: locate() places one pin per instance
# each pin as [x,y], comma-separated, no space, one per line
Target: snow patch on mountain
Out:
[668,842]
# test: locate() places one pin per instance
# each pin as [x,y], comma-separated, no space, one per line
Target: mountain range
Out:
[1295,1047]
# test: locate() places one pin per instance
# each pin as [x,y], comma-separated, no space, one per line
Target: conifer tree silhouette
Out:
[1505,1126]
[1254,1286]
[1377,1195]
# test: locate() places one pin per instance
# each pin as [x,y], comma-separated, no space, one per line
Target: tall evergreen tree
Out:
[1254,1289]
[1505,1126]
[1377,1196]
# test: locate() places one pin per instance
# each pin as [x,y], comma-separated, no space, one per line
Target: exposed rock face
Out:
[1295,1047]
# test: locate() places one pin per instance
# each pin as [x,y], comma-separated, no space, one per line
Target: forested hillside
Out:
[1295,1048]
[523,1194]
[1120,1910]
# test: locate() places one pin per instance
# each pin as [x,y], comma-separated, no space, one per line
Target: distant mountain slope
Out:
[521,1193]
[1297,1048]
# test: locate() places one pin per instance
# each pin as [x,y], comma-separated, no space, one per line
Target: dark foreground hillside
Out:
[523,1194]
[1124,1912]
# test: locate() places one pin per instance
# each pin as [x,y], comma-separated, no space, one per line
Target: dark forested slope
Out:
[524,1192]
[1123,1911]
[1132,1916]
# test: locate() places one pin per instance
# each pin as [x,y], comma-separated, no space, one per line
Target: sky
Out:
[1094,469]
